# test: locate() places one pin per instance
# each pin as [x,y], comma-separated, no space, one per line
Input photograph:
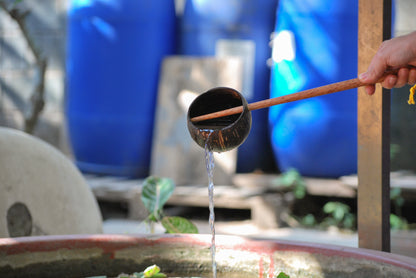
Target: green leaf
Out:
[153,272]
[398,223]
[299,191]
[396,196]
[337,209]
[349,221]
[395,193]
[394,150]
[339,213]
[282,275]
[293,180]
[308,220]
[155,193]
[178,225]
[290,177]
[329,207]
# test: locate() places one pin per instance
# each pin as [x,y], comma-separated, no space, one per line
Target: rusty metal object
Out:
[373,133]
[221,134]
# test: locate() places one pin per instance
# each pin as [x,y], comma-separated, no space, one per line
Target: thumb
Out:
[374,72]
[365,77]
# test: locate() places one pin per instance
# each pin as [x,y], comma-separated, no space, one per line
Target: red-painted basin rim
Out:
[113,243]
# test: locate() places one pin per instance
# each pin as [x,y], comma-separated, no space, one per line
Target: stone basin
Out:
[189,255]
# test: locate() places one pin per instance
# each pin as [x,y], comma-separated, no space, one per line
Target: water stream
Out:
[209,160]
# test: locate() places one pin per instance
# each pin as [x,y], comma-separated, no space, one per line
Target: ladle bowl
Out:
[219,134]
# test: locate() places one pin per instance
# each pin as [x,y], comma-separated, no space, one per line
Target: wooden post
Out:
[373,133]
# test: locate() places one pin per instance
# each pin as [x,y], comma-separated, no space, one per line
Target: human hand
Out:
[398,53]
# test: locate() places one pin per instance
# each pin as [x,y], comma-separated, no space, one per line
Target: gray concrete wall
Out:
[46,23]
[405,18]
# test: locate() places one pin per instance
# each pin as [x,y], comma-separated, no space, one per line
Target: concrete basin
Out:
[189,255]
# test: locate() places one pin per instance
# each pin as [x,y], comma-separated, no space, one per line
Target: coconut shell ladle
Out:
[226,127]
[219,134]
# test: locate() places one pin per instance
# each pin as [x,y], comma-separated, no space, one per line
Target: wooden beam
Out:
[373,133]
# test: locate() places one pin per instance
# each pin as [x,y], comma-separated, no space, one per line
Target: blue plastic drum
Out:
[315,43]
[237,28]
[114,53]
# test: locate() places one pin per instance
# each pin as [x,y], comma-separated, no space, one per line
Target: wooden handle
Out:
[314,92]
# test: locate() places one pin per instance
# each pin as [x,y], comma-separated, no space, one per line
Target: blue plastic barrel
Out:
[315,43]
[237,27]
[114,53]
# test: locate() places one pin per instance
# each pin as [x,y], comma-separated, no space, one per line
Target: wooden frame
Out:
[373,133]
